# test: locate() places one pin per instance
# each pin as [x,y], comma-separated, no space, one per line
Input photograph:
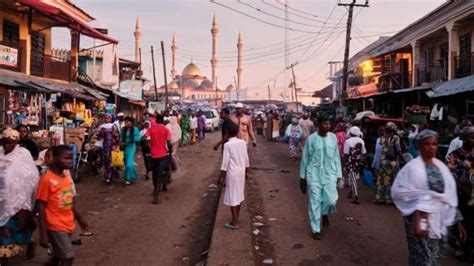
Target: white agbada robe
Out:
[234,161]
[410,192]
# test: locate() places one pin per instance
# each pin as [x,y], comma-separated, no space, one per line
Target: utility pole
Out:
[164,74]
[269,95]
[154,73]
[345,69]
[294,83]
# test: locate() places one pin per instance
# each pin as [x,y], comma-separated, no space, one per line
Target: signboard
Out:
[8,56]
[157,106]
[74,136]
[133,88]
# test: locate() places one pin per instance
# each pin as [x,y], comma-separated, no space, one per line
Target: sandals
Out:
[229,225]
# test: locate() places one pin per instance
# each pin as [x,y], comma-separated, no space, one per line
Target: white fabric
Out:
[355,131]
[239,105]
[455,144]
[174,128]
[412,134]
[437,114]
[193,122]
[106,126]
[307,125]
[234,161]
[58,133]
[18,181]
[410,192]
[351,143]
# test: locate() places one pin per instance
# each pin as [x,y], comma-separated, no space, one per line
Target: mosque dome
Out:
[191,70]
[230,87]
[173,85]
[206,84]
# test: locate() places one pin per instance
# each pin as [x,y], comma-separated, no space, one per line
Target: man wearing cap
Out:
[319,170]
[119,122]
[244,122]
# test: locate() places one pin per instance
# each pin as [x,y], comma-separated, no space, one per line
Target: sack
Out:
[117,159]
[368,179]
[419,224]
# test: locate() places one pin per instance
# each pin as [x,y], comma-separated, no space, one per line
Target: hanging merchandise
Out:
[110,108]
[87,118]
[34,107]
[79,109]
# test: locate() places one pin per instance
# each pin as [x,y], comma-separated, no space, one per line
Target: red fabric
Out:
[62,17]
[159,135]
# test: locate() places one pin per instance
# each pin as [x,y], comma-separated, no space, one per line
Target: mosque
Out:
[192,84]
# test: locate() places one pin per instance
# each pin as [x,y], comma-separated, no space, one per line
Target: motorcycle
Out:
[89,160]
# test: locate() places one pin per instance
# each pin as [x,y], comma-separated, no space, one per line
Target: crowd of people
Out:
[434,192]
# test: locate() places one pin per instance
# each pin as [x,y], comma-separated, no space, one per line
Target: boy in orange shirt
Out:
[54,202]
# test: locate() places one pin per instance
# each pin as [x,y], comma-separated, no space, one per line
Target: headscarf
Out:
[424,134]
[174,128]
[10,133]
[355,131]
[18,180]
[294,121]
[467,131]
[391,126]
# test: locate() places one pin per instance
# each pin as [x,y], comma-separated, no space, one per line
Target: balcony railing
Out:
[394,80]
[464,65]
[436,72]
[51,67]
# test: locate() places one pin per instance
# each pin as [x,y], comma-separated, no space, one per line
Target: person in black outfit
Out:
[26,142]
[225,116]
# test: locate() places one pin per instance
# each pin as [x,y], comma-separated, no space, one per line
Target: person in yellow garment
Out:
[193,124]
[319,171]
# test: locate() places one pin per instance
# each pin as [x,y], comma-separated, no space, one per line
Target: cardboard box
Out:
[74,136]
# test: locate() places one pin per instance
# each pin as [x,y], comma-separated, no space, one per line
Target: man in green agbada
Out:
[320,168]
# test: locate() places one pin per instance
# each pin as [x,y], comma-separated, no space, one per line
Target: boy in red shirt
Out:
[54,202]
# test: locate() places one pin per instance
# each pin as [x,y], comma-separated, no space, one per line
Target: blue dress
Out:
[130,173]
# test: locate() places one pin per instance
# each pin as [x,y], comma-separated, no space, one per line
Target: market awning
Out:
[422,87]
[326,92]
[451,87]
[66,19]
[21,81]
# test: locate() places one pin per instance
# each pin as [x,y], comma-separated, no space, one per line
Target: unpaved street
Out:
[130,230]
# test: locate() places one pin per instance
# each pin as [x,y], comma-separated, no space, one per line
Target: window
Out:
[11,34]
[464,59]
[37,53]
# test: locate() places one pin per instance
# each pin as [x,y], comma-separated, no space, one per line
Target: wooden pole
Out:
[154,72]
[164,74]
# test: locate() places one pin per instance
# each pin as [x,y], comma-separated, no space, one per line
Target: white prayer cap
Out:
[120,114]
[239,105]
[355,131]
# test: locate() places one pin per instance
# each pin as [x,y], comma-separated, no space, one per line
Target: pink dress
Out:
[341,138]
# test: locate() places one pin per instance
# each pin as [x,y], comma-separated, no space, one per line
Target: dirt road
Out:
[129,230]
[365,234]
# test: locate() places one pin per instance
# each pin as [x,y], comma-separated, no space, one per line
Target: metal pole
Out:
[164,74]
[294,84]
[154,73]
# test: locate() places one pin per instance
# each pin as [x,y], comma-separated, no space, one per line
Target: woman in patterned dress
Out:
[425,193]
[294,132]
[389,163]
[110,133]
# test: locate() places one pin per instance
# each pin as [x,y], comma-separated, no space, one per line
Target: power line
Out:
[261,20]
[280,18]
[295,14]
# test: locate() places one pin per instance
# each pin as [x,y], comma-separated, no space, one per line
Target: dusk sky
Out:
[312,43]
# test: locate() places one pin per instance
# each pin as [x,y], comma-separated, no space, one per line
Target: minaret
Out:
[173,54]
[138,40]
[214,32]
[240,44]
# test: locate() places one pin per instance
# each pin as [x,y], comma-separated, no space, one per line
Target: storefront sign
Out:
[8,56]
[157,106]
[133,88]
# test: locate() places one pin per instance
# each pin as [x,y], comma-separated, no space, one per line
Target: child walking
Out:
[54,202]
[234,170]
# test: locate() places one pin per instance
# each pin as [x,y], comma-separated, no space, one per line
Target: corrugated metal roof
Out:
[454,86]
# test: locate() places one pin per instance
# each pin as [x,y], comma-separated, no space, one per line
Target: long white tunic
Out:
[234,161]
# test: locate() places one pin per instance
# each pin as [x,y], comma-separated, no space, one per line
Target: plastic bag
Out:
[368,179]
[117,159]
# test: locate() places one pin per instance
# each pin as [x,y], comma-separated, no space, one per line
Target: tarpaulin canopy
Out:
[326,92]
[454,86]
[66,19]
